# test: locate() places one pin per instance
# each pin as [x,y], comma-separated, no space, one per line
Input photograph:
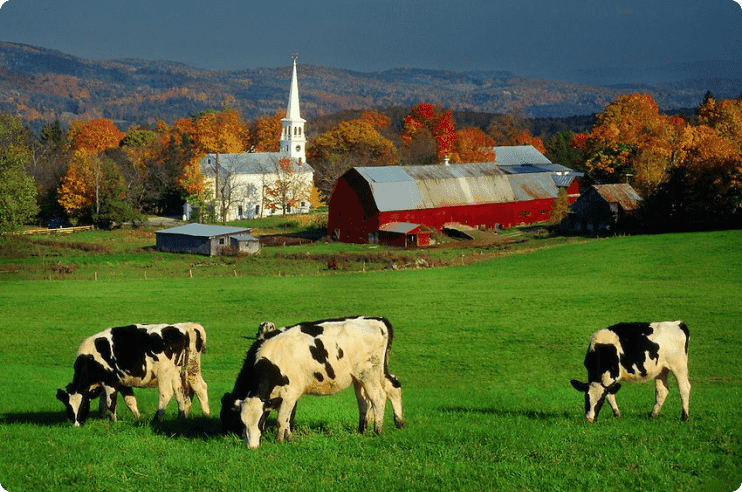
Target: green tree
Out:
[17,191]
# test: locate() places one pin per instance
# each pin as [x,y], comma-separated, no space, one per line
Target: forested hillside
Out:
[43,85]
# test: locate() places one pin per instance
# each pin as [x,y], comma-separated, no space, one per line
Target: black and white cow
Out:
[316,358]
[117,359]
[635,352]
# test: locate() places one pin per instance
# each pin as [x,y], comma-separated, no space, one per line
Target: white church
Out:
[261,184]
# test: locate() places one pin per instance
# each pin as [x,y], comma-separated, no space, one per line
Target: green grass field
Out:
[485,353]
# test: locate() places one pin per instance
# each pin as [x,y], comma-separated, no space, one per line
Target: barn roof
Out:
[203,230]
[621,193]
[250,163]
[511,155]
[436,186]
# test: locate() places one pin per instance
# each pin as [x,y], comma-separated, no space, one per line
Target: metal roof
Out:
[519,154]
[621,193]
[251,163]
[399,227]
[435,186]
[203,230]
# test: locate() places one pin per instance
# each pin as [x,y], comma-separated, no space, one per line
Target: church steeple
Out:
[293,140]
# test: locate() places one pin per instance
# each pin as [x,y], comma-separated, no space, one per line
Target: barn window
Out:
[257,209]
[239,210]
[221,240]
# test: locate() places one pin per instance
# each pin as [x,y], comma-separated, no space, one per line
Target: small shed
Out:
[403,235]
[604,208]
[198,238]
[246,244]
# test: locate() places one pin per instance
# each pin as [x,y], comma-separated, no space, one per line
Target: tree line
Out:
[688,169]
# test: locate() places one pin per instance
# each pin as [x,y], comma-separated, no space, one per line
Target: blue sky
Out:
[549,38]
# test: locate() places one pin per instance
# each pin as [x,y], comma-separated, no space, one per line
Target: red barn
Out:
[367,199]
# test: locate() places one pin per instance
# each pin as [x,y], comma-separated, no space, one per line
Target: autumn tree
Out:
[513,129]
[473,145]
[631,139]
[17,191]
[426,120]
[350,144]
[287,190]
[86,184]
[704,189]
[265,133]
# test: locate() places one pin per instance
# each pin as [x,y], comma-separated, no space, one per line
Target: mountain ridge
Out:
[41,84]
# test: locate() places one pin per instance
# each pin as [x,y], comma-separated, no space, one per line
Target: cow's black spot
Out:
[320,354]
[130,346]
[313,330]
[104,349]
[319,377]
[174,342]
[268,376]
[199,342]
[636,345]
[318,351]
[602,358]
[340,353]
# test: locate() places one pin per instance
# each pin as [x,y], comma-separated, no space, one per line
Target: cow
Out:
[635,352]
[115,360]
[316,358]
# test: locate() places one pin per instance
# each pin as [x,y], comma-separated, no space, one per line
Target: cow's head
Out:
[77,405]
[595,394]
[253,413]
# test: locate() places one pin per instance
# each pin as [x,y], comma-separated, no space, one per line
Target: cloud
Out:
[2,2]
[738,1]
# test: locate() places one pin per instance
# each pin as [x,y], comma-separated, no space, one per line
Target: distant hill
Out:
[41,85]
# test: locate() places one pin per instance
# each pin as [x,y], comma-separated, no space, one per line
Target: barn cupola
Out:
[293,140]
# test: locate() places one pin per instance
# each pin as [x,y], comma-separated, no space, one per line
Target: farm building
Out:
[603,208]
[367,201]
[206,239]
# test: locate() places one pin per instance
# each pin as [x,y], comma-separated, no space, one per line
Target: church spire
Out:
[293,140]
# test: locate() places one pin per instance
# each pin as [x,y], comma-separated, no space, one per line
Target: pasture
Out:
[484,351]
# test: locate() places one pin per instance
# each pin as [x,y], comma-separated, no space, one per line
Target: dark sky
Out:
[549,38]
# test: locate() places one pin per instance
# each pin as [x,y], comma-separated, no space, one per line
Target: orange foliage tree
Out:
[630,138]
[88,178]
[439,124]
[265,133]
[351,143]
[473,145]
[511,129]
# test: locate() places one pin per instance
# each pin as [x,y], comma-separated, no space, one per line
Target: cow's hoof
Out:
[181,415]
[158,415]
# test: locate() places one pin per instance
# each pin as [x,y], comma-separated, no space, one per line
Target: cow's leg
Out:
[660,392]
[128,393]
[684,387]
[198,386]
[377,395]
[363,417]
[283,420]
[108,400]
[170,384]
[611,398]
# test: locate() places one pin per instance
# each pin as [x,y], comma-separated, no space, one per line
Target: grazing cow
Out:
[117,359]
[317,358]
[635,352]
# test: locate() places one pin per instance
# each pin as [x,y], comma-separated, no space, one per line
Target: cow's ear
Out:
[63,396]
[237,405]
[579,386]
[613,389]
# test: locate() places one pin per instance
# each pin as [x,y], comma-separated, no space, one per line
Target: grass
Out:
[485,352]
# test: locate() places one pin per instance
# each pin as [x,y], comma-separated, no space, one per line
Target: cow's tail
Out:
[390,338]
[684,328]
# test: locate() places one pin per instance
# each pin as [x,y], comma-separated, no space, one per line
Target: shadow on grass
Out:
[190,428]
[500,412]
[36,418]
